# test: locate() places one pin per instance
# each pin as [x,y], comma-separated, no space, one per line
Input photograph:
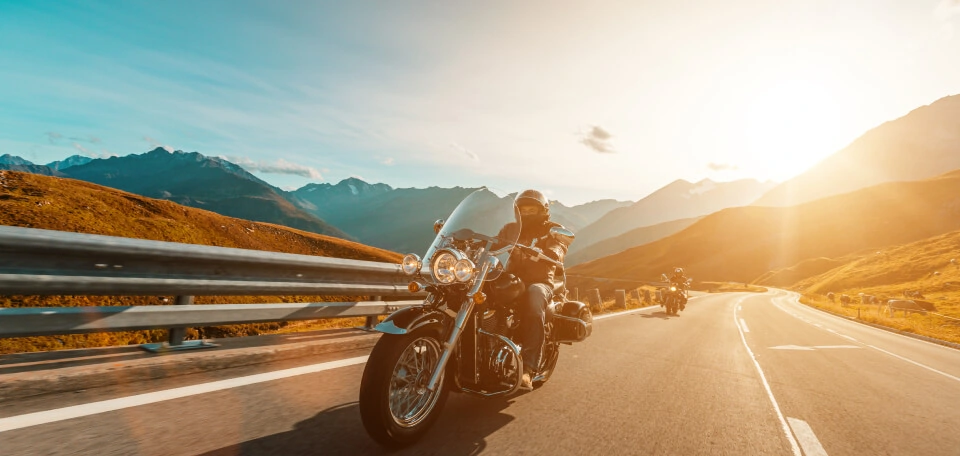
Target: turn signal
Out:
[414,287]
[479,298]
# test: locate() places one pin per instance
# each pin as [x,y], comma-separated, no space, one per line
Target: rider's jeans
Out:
[531,339]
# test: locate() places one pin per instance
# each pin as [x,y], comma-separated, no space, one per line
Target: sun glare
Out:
[789,126]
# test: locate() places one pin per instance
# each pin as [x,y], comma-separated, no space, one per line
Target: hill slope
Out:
[921,144]
[630,239]
[678,200]
[204,182]
[741,244]
[52,203]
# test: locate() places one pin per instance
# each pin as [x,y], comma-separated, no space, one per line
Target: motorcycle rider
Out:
[679,280]
[536,274]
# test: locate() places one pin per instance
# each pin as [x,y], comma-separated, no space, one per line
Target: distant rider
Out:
[537,275]
[679,280]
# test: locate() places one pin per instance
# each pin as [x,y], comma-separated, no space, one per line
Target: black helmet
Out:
[534,208]
[533,198]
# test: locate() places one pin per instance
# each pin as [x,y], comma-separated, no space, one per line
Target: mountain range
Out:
[742,244]
[678,200]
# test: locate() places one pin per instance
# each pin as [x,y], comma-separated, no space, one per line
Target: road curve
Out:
[734,374]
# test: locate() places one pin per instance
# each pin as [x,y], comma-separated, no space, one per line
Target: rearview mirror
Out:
[562,235]
[437,226]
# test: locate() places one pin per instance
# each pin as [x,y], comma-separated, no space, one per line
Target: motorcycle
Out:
[463,337]
[674,298]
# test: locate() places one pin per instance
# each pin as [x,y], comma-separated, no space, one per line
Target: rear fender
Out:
[410,319]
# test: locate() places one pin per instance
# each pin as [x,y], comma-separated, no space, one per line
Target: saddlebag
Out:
[573,322]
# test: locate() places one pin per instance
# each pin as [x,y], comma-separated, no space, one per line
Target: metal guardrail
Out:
[44,262]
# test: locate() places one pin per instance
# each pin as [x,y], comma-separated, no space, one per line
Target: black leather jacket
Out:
[525,268]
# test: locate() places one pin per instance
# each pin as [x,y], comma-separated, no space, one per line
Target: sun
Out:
[790,125]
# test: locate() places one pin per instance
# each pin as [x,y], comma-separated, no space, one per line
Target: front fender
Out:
[409,319]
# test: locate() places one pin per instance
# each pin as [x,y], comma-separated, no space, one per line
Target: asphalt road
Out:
[736,374]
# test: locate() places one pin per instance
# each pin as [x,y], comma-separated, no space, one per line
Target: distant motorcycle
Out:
[674,298]
[463,337]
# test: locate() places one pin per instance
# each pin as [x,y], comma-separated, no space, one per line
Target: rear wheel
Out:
[396,407]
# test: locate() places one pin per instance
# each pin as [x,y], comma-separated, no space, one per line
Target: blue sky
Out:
[585,100]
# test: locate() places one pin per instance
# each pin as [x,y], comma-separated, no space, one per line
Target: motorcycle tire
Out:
[395,355]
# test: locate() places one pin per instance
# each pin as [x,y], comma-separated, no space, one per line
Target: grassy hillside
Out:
[923,266]
[742,244]
[35,201]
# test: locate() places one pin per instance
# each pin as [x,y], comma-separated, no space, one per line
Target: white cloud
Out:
[280,166]
[387,161]
[53,137]
[598,139]
[463,150]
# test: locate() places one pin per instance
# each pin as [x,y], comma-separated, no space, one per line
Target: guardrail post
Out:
[621,297]
[595,294]
[371,321]
[175,335]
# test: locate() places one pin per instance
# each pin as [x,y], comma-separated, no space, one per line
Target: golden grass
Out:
[929,325]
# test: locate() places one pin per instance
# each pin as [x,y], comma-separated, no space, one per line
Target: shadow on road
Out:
[461,430]
[659,314]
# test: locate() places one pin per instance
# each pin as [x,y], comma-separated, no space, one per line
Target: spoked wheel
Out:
[396,407]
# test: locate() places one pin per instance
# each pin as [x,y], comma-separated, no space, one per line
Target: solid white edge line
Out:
[743,325]
[815,311]
[623,312]
[632,311]
[915,363]
[808,440]
[766,386]
[93,408]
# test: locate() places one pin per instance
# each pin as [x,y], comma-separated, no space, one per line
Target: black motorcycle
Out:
[674,297]
[462,338]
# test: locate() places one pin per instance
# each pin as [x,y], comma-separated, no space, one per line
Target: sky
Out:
[582,99]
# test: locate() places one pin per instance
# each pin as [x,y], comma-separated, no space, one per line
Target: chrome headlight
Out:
[673,288]
[464,270]
[410,264]
[444,266]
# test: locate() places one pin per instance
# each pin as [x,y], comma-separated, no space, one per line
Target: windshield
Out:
[481,216]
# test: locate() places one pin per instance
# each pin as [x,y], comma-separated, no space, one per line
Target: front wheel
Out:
[396,407]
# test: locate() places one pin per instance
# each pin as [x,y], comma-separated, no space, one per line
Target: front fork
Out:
[466,309]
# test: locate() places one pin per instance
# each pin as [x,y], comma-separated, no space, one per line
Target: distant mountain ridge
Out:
[924,143]
[193,179]
[744,244]
[678,200]
[15,163]
[73,160]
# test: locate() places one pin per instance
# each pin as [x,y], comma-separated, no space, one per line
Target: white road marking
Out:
[623,312]
[808,440]
[916,363]
[739,307]
[766,386]
[952,377]
[835,346]
[847,337]
[743,325]
[791,347]
[93,408]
